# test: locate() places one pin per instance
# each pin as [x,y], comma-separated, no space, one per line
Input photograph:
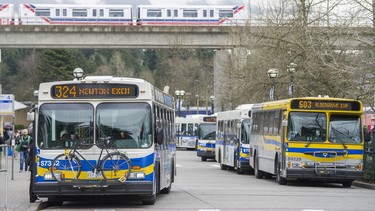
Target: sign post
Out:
[7,109]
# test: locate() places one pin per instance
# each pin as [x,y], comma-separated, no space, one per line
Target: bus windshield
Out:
[207,131]
[128,124]
[245,131]
[303,126]
[59,123]
[344,129]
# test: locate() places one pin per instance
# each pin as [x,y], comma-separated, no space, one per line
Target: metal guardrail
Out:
[369,159]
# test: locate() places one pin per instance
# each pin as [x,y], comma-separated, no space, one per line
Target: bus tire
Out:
[222,166]
[203,159]
[258,173]
[149,200]
[281,180]
[347,184]
[166,190]
[237,166]
[53,202]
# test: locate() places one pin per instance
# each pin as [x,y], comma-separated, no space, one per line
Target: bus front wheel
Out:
[281,180]
[149,200]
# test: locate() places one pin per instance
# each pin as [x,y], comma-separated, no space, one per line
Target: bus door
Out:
[230,143]
[282,132]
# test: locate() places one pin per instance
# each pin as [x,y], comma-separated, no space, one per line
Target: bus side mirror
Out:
[284,123]
[30,116]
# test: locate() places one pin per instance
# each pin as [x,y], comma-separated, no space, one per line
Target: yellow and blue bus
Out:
[131,114]
[232,139]
[314,138]
[206,137]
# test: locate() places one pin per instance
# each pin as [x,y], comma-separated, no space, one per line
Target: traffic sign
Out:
[6,105]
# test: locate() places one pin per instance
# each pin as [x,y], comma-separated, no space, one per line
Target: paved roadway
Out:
[202,186]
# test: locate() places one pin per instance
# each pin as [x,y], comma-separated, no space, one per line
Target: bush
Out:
[367,176]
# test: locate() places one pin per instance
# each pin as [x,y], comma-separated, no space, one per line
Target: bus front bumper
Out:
[324,174]
[49,189]
[206,153]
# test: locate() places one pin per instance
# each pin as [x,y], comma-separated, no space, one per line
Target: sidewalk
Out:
[18,188]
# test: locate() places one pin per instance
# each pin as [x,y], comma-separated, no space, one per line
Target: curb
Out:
[364,184]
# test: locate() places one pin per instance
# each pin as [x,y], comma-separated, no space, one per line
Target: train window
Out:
[225,13]
[94,12]
[175,13]
[190,13]
[153,13]
[211,13]
[169,13]
[57,11]
[205,13]
[116,13]
[42,12]
[101,13]
[65,12]
[79,12]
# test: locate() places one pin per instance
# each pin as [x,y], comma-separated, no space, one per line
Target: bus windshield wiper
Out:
[308,144]
[341,141]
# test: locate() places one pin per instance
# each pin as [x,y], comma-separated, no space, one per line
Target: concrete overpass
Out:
[116,37]
[208,37]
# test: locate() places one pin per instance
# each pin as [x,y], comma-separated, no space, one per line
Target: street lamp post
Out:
[212,104]
[273,73]
[180,94]
[291,69]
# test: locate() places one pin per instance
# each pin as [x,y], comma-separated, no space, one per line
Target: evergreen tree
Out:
[56,65]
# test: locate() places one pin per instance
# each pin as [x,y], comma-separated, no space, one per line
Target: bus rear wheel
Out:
[258,173]
[203,159]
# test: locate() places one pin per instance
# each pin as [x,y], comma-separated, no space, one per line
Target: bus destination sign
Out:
[325,105]
[209,119]
[84,91]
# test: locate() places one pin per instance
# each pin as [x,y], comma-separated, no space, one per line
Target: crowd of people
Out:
[22,140]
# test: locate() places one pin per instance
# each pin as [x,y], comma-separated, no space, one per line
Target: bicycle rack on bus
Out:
[325,167]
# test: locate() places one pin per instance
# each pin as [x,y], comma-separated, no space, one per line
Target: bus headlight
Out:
[137,175]
[355,167]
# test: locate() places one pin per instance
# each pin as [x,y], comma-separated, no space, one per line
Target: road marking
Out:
[178,165]
[312,210]
[216,166]
[208,210]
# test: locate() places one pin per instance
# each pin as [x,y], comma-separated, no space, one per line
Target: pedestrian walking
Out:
[16,142]
[23,148]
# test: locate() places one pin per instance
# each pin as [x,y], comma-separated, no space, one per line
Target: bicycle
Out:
[114,166]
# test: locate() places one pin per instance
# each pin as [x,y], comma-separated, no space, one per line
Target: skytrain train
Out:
[71,14]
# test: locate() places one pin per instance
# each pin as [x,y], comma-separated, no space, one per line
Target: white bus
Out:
[206,138]
[232,139]
[128,116]
[187,131]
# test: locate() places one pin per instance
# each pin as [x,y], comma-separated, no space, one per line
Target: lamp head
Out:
[291,68]
[273,73]
[78,73]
